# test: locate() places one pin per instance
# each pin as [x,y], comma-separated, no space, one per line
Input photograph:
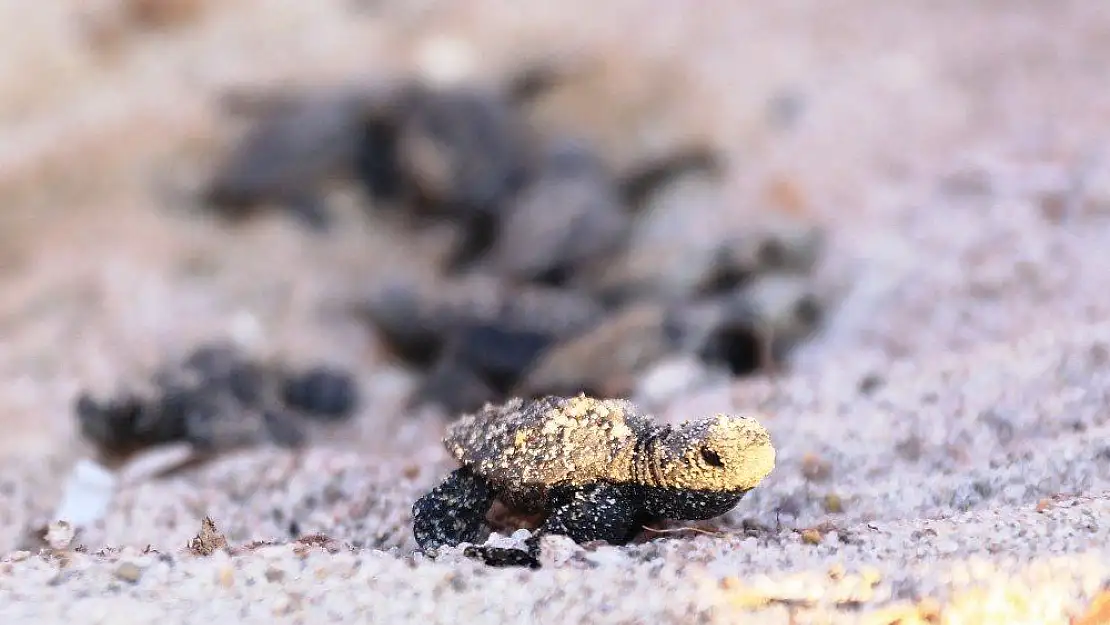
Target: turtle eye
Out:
[711,458]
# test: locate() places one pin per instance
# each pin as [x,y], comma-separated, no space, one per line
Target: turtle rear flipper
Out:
[453,512]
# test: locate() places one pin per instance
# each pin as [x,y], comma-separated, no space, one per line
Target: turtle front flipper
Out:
[453,512]
[601,511]
[597,512]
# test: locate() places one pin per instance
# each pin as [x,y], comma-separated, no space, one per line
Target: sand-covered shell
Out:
[547,442]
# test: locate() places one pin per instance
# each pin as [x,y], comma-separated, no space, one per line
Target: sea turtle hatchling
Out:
[599,468]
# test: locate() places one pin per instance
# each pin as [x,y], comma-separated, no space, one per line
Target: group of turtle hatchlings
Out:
[570,276]
[569,272]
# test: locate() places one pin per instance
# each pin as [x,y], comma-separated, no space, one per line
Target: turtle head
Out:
[724,453]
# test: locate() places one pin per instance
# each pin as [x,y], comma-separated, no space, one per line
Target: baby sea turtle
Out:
[473,336]
[570,217]
[576,213]
[744,331]
[298,145]
[598,468]
[418,319]
[681,246]
[215,399]
[454,152]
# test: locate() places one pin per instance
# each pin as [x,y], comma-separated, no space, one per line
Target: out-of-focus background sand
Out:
[955,407]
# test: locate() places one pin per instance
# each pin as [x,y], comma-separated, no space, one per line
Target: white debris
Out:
[155,461]
[86,496]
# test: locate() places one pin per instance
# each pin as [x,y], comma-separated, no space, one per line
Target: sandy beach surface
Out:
[943,442]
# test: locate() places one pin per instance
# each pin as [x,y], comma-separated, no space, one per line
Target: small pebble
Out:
[816,469]
[274,574]
[226,576]
[128,572]
[59,535]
